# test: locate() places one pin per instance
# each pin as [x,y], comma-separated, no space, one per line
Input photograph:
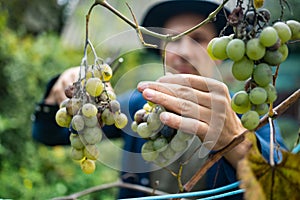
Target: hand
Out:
[57,93]
[196,105]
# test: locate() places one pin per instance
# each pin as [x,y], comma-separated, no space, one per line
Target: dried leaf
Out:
[263,181]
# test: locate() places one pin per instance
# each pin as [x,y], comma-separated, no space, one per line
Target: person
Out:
[195,102]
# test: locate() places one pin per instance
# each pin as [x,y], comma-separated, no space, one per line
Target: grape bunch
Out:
[254,48]
[164,144]
[90,105]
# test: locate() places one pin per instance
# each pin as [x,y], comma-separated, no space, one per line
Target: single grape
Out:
[184,136]
[154,122]
[178,145]
[241,98]
[120,120]
[92,135]
[134,126]
[91,151]
[236,49]
[168,153]
[114,106]
[139,116]
[168,132]
[148,152]
[209,48]
[73,106]
[62,118]
[90,121]
[160,144]
[94,86]
[295,29]
[92,72]
[106,72]
[273,58]
[219,47]
[250,120]
[88,166]
[77,154]
[64,103]
[107,117]
[78,123]
[271,93]
[89,110]
[283,30]
[75,141]
[143,130]
[268,36]
[262,109]
[262,74]
[258,95]
[242,69]
[283,49]
[254,49]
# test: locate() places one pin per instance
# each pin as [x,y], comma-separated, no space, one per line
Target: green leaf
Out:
[263,181]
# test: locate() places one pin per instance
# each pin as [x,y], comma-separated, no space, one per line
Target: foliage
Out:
[276,181]
[29,170]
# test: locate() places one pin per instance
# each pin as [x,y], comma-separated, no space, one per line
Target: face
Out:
[188,55]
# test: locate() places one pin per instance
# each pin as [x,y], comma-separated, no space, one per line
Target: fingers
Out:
[178,105]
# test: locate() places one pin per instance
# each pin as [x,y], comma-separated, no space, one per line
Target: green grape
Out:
[114,106]
[111,95]
[154,122]
[178,145]
[283,49]
[283,31]
[143,130]
[107,117]
[219,47]
[295,29]
[271,93]
[77,123]
[241,98]
[94,86]
[89,110]
[262,109]
[106,72]
[250,120]
[240,109]
[273,57]
[242,69]
[77,154]
[258,95]
[73,106]
[148,152]
[168,153]
[160,144]
[92,72]
[64,103]
[209,48]
[236,49]
[134,126]
[90,121]
[92,135]
[254,49]
[88,166]
[262,74]
[75,141]
[120,120]
[62,118]
[268,36]
[91,151]
[184,136]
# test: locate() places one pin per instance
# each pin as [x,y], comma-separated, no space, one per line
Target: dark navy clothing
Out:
[46,131]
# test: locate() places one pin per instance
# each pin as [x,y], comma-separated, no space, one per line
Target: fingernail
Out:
[142,85]
[164,117]
[148,93]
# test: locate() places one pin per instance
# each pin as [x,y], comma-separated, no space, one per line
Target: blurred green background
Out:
[39,39]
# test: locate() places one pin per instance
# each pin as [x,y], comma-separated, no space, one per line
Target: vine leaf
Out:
[263,181]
